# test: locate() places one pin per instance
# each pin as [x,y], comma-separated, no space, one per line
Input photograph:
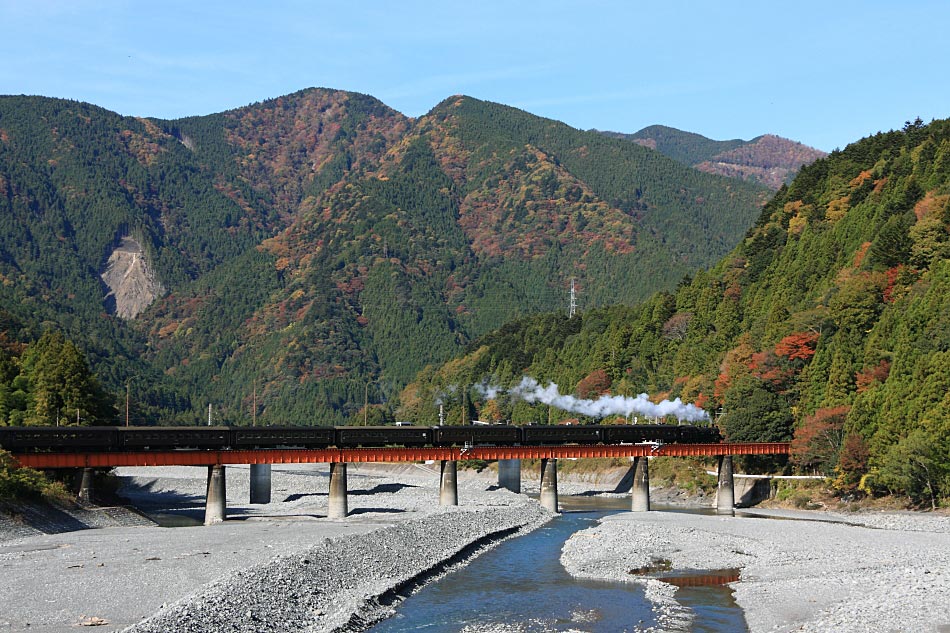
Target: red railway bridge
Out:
[508,457]
[108,459]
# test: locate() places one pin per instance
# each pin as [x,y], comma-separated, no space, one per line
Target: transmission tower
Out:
[573,308]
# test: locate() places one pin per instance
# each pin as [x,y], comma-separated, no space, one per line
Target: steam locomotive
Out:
[109,438]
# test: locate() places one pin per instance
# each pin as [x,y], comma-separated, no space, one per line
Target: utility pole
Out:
[126,402]
[573,308]
[254,401]
[366,404]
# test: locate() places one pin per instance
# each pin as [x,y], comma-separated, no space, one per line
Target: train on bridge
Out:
[25,439]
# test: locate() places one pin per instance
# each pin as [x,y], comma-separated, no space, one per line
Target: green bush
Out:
[798,493]
[686,474]
[478,465]
[23,483]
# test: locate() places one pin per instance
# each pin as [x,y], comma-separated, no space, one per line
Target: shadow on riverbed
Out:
[390,488]
[49,519]
[173,519]
[146,496]
[381,488]
[380,510]
[302,495]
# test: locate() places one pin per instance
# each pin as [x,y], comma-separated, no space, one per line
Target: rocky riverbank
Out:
[345,583]
[808,572]
[24,519]
[277,567]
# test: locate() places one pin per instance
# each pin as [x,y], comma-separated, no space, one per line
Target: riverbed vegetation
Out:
[26,483]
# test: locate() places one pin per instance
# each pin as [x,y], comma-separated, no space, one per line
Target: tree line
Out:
[827,326]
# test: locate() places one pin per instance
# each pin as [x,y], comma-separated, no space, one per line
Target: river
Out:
[521,586]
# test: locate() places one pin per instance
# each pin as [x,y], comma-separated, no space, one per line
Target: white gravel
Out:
[840,573]
[277,567]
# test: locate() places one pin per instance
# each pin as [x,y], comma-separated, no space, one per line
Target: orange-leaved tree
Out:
[818,439]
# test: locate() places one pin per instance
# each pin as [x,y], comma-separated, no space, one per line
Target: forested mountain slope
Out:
[324,247]
[76,180]
[688,148]
[829,324]
[768,159]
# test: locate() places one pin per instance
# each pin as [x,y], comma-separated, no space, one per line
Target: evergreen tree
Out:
[60,388]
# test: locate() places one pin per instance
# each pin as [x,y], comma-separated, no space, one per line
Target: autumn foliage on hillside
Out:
[828,326]
[818,439]
[320,249]
[798,346]
[769,160]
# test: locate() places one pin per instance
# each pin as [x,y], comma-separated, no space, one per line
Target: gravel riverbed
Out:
[839,573]
[282,566]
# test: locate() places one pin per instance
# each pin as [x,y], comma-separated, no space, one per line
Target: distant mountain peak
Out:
[768,159]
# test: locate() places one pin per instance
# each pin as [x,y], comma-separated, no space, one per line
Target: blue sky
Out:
[824,73]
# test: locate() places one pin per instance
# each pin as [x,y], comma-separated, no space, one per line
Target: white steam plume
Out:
[442,396]
[487,390]
[530,390]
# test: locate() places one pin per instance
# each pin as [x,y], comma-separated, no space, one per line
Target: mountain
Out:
[317,250]
[768,160]
[684,147]
[828,325]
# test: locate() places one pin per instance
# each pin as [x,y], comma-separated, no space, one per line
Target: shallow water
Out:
[522,582]
[521,585]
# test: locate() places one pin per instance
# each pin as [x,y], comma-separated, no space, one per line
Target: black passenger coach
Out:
[20,439]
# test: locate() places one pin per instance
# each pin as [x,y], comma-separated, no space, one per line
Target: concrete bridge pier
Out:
[509,474]
[260,483]
[216,497]
[337,506]
[448,486]
[640,490]
[86,485]
[725,492]
[549,484]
